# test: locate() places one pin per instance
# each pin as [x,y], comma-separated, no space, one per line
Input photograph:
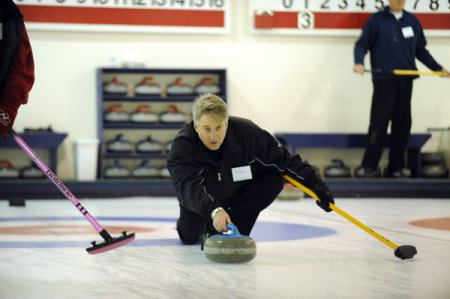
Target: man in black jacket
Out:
[227,170]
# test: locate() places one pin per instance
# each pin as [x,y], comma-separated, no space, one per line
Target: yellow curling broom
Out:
[402,252]
[405,72]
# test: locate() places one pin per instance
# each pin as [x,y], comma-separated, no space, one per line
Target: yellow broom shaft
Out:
[342,213]
[414,73]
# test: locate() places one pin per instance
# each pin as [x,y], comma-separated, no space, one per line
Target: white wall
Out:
[283,83]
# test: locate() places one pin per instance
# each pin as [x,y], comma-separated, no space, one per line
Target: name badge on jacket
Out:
[407,32]
[241,173]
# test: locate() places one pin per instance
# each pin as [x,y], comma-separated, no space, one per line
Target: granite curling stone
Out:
[230,248]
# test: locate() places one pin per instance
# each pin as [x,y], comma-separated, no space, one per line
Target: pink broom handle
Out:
[56,181]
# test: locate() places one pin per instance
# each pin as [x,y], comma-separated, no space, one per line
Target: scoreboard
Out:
[179,16]
[338,17]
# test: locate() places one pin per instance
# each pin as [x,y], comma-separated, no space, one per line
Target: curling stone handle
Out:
[234,230]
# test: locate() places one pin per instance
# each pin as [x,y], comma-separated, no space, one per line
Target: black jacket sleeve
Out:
[422,52]
[187,175]
[269,153]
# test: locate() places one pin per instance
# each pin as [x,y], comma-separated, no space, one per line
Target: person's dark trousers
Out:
[243,208]
[391,101]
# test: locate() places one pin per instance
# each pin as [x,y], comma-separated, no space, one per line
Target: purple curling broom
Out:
[110,242]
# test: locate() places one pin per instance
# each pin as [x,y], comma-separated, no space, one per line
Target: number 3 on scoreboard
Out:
[305,20]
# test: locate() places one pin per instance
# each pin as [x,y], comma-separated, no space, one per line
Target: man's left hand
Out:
[324,195]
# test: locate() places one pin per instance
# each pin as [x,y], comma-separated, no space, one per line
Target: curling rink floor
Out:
[302,252]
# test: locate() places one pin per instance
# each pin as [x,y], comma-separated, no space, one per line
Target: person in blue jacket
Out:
[227,170]
[394,38]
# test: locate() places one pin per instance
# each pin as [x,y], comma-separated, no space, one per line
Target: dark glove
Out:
[324,194]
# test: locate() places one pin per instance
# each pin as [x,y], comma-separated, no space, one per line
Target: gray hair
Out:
[209,103]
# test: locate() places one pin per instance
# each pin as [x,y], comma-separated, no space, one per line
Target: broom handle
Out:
[342,213]
[55,180]
[405,72]
[414,72]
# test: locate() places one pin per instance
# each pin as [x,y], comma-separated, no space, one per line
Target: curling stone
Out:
[32,172]
[116,113]
[432,158]
[207,85]
[119,144]
[117,171]
[115,87]
[148,87]
[145,170]
[7,171]
[179,88]
[173,115]
[435,171]
[164,172]
[434,165]
[144,114]
[337,169]
[290,192]
[232,248]
[149,145]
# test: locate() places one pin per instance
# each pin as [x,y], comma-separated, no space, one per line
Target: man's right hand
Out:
[359,69]
[220,221]
[445,73]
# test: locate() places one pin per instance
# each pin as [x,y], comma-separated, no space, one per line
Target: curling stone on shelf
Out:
[148,87]
[290,192]
[145,170]
[32,172]
[230,248]
[148,145]
[164,172]
[168,146]
[179,88]
[207,85]
[120,145]
[117,171]
[435,171]
[7,171]
[337,169]
[144,114]
[432,158]
[116,113]
[173,115]
[434,165]
[115,87]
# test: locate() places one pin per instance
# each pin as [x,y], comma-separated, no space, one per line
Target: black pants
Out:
[391,101]
[243,208]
